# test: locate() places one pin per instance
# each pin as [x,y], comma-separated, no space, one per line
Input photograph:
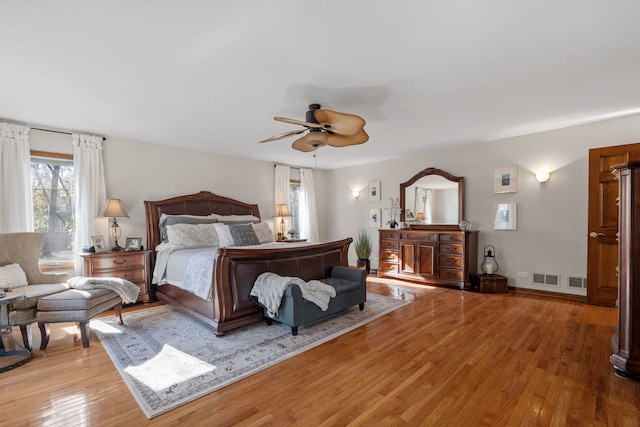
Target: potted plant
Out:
[363,248]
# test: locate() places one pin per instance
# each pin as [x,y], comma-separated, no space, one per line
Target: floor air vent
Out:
[546,279]
[578,282]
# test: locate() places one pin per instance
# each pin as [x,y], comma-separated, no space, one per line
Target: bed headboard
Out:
[202,203]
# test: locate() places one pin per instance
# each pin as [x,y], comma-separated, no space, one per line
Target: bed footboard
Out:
[238,269]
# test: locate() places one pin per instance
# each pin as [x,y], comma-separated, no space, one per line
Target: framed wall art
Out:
[505,180]
[374,218]
[504,216]
[374,191]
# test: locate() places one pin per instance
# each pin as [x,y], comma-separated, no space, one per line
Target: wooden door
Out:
[602,248]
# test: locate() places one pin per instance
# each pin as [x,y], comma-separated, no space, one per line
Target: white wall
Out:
[137,171]
[551,235]
[552,218]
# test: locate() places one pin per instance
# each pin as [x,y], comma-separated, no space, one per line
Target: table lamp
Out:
[114,209]
[282,211]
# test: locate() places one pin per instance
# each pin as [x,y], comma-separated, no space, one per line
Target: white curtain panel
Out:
[91,194]
[16,212]
[308,213]
[281,185]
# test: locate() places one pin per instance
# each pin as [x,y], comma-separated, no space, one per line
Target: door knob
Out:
[594,234]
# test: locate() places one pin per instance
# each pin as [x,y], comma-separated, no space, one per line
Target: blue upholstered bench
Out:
[351,289]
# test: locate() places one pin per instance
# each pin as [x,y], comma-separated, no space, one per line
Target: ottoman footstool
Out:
[76,305]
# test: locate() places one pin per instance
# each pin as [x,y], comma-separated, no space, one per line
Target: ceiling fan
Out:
[325,127]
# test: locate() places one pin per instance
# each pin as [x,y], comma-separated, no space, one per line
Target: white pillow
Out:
[234,219]
[192,235]
[263,231]
[167,220]
[224,235]
[12,276]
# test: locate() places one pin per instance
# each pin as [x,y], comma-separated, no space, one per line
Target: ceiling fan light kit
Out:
[325,127]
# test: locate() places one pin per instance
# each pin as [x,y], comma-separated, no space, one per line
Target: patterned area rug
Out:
[168,359]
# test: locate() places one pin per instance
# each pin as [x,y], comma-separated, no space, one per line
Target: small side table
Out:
[10,359]
[133,266]
[490,283]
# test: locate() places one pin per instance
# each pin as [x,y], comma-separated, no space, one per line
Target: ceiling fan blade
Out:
[340,123]
[298,122]
[310,142]
[345,140]
[283,135]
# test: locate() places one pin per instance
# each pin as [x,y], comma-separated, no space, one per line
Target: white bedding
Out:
[192,269]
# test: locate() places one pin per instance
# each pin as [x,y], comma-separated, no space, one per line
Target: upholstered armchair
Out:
[24,249]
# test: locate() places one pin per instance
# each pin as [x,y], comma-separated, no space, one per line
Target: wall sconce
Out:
[489,265]
[543,177]
[355,194]
[114,209]
[282,211]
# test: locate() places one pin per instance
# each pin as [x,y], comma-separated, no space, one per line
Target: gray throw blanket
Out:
[270,287]
[125,289]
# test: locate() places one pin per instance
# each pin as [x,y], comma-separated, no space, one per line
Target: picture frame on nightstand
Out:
[99,244]
[133,244]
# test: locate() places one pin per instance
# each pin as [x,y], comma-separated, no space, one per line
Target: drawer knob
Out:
[115,261]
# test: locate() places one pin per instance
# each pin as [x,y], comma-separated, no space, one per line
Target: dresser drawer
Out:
[451,237]
[389,244]
[117,262]
[388,256]
[388,267]
[451,261]
[451,249]
[419,237]
[130,275]
[388,234]
[450,274]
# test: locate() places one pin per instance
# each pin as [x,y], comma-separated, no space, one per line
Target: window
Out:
[294,207]
[52,186]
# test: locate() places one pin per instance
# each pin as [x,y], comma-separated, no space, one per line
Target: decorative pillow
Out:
[192,235]
[166,220]
[12,276]
[235,219]
[263,231]
[224,235]
[243,234]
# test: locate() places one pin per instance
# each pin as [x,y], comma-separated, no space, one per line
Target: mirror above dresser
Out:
[432,198]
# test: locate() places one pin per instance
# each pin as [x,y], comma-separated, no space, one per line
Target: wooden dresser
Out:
[429,256]
[131,265]
[626,340]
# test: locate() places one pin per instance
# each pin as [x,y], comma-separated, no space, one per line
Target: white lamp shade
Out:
[114,209]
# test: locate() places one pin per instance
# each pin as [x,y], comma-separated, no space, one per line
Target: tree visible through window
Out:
[52,185]
[294,207]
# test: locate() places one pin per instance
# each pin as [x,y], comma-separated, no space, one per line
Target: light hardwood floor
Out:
[450,358]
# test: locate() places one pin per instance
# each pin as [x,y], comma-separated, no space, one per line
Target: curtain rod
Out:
[59,131]
[290,167]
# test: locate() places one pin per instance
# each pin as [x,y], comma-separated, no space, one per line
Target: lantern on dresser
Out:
[489,265]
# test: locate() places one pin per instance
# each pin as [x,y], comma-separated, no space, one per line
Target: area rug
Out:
[168,359]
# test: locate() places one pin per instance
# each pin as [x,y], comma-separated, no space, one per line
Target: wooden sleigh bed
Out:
[235,269]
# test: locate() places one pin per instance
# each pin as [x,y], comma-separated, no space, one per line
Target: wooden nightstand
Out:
[493,283]
[130,265]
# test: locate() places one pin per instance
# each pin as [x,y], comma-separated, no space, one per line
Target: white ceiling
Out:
[210,75]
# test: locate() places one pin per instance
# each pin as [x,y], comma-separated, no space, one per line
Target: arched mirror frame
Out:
[446,175]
